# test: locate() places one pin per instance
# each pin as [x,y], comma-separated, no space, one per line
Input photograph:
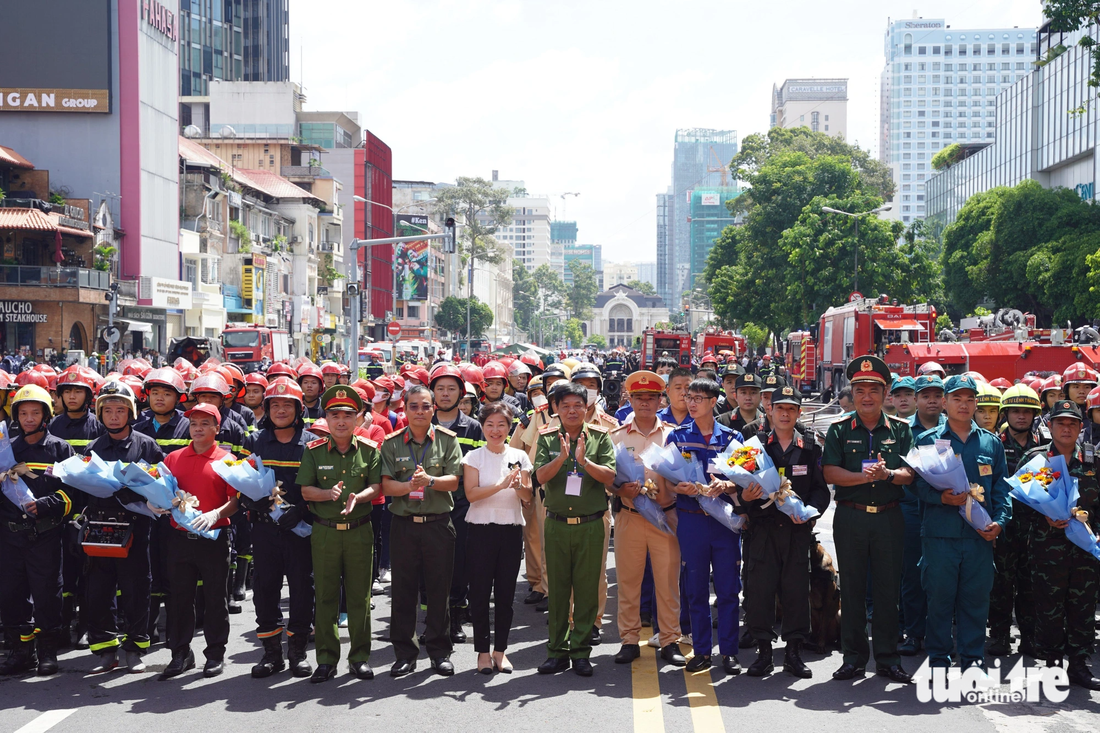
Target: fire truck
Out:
[801,360]
[677,344]
[715,341]
[255,347]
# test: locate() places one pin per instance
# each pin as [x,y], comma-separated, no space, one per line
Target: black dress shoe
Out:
[895,673]
[698,663]
[731,664]
[673,656]
[443,666]
[582,667]
[553,665]
[1079,674]
[596,637]
[178,666]
[362,670]
[402,667]
[323,673]
[543,606]
[848,672]
[627,654]
[234,606]
[765,662]
[533,597]
[213,668]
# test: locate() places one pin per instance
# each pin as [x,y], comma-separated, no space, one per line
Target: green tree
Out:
[1067,16]
[598,341]
[642,287]
[573,333]
[451,316]
[755,336]
[551,288]
[581,295]
[525,295]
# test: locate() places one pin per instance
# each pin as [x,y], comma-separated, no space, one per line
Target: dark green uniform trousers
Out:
[877,540]
[574,560]
[421,550]
[1012,581]
[342,557]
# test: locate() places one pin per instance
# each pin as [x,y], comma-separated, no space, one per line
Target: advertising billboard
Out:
[410,259]
[56,57]
[709,199]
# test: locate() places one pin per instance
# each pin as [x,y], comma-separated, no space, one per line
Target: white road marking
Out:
[45,721]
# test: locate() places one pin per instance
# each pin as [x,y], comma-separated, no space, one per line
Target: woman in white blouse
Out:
[497,478]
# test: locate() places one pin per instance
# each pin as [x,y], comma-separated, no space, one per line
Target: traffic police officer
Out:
[278,551]
[862,458]
[420,467]
[573,462]
[31,540]
[339,476]
[777,551]
[1064,577]
[130,576]
[957,559]
[1022,433]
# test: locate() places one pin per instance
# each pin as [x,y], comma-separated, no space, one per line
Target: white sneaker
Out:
[377,588]
[343,621]
[686,639]
[655,641]
[384,575]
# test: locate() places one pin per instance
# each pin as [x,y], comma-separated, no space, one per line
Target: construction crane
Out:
[563,201]
[720,168]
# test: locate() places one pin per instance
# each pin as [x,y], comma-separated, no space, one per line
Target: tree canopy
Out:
[581,295]
[642,287]
[484,209]
[452,316]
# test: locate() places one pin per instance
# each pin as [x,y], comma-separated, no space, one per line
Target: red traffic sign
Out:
[855,296]
[393,328]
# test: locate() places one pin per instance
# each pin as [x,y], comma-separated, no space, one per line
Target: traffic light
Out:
[449,244]
[353,290]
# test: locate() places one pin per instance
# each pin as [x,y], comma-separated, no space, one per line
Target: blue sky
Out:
[586,96]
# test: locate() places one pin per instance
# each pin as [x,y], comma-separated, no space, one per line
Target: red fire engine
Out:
[655,344]
[716,341]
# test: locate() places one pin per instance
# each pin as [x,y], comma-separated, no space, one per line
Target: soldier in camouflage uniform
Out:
[1064,577]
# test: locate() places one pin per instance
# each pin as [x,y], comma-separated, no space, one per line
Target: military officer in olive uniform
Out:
[862,458]
[573,462]
[421,464]
[339,476]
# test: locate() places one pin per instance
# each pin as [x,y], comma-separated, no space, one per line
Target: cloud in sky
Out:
[586,96]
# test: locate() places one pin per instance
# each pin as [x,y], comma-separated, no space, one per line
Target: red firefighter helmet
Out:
[1093,401]
[256,378]
[1000,383]
[211,382]
[532,360]
[330,367]
[310,370]
[135,384]
[494,370]
[930,367]
[976,376]
[74,377]
[319,428]
[22,379]
[281,369]
[443,369]
[165,377]
[6,381]
[284,388]
[1048,384]
[1079,374]
[136,369]
[474,375]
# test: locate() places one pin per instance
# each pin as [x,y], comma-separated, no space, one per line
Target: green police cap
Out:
[869,369]
[341,397]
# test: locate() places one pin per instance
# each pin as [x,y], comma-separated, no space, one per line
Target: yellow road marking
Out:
[705,714]
[648,717]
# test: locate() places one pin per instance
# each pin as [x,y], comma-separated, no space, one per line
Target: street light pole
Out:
[855,264]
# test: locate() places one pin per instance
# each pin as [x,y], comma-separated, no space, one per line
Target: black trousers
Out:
[460,582]
[493,554]
[417,550]
[189,561]
[30,567]
[777,560]
[279,553]
[130,576]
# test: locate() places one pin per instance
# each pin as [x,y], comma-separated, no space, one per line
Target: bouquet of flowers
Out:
[159,486]
[943,469]
[90,473]
[256,481]
[11,474]
[790,503]
[673,466]
[1047,487]
[747,464]
[628,470]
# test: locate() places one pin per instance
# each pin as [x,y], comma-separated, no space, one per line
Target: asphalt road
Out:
[646,696]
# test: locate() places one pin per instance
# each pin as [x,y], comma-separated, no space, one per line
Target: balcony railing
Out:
[304,171]
[66,277]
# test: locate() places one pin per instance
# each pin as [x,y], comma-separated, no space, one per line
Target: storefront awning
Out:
[137,326]
[899,324]
[239,311]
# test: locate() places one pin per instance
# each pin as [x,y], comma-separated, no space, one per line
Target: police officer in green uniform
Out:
[862,458]
[339,477]
[573,462]
[420,468]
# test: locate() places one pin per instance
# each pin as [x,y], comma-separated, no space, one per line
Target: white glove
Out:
[157,510]
[204,521]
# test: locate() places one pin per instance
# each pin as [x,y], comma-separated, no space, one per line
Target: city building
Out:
[819,104]
[374,182]
[622,313]
[708,216]
[1036,136]
[940,86]
[417,198]
[88,94]
[700,159]
[663,282]
[562,234]
[647,273]
[590,254]
[528,234]
[619,273]
[228,40]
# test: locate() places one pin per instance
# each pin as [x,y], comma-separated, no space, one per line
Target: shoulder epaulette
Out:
[548,430]
[366,441]
[446,431]
[615,430]
[316,443]
[597,428]
[898,418]
[395,432]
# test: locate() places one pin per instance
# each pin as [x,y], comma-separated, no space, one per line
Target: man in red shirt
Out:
[192,558]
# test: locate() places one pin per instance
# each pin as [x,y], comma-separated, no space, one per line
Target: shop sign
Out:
[163,293]
[20,311]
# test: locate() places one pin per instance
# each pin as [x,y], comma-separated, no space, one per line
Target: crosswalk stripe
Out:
[648,716]
[705,713]
[45,721]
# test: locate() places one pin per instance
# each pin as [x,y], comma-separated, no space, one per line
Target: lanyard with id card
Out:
[573,481]
[418,494]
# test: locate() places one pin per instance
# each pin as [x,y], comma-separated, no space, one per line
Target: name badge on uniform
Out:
[799,470]
[417,494]
[573,484]
[869,463]
[984,469]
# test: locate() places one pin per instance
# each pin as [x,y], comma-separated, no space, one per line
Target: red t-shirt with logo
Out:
[194,473]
